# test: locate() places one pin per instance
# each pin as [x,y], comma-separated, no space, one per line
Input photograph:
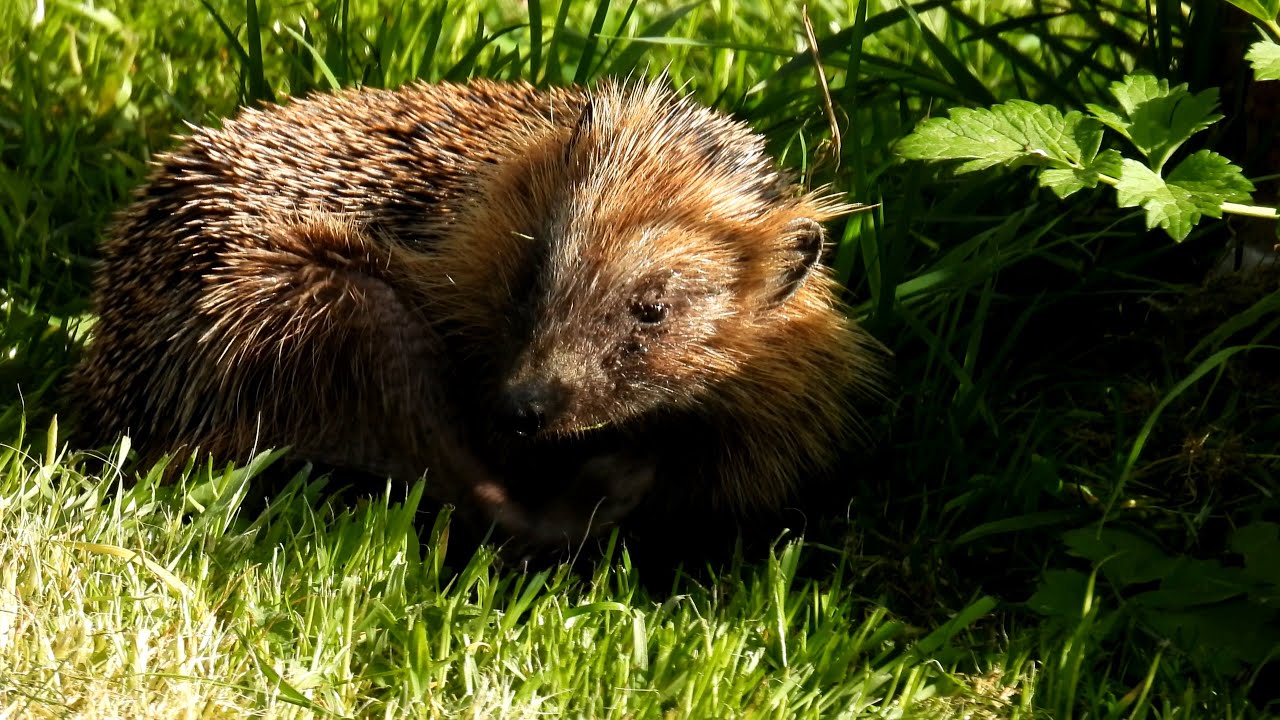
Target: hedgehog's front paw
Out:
[585,502]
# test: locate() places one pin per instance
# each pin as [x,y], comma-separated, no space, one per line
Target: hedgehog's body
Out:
[564,304]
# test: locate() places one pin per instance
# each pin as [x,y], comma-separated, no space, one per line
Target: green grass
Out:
[116,605]
[1070,509]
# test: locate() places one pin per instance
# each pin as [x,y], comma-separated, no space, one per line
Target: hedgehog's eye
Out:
[650,312]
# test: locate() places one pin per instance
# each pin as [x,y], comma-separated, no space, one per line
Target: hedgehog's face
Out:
[612,324]
[600,336]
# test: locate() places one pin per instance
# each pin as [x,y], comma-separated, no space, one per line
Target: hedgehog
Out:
[569,307]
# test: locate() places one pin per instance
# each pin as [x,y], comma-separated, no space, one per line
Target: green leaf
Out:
[1110,118]
[1197,187]
[1265,13]
[1156,118]
[1213,179]
[1264,55]
[1259,543]
[1226,636]
[1014,133]
[1191,582]
[1125,558]
[1165,206]
[1066,181]
[1061,593]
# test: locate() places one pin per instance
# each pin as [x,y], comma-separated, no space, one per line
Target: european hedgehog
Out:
[563,304]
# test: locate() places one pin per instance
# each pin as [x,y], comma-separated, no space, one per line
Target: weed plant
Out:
[1069,509]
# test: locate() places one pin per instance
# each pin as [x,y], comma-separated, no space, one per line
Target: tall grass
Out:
[1071,505]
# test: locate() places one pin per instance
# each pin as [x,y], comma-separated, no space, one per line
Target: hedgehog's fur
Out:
[371,276]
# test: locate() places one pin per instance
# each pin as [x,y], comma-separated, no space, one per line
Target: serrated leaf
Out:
[1013,133]
[1264,55]
[1197,187]
[1067,181]
[1164,206]
[1158,119]
[1213,179]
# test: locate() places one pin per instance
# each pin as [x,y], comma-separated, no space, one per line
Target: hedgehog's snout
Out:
[524,409]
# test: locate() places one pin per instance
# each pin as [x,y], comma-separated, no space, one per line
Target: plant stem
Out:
[1274,28]
[1251,210]
[1258,211]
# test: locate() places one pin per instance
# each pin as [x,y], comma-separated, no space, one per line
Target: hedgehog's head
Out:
[629,260]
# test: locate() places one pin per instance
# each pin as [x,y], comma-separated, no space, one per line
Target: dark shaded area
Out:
[1023,377]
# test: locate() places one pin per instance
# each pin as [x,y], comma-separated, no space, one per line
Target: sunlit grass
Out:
[955,590]
[117,603]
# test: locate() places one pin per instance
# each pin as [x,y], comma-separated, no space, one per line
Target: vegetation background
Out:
[1072,506]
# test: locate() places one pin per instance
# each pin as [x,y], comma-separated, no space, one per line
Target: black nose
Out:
[524,409]
[528,419]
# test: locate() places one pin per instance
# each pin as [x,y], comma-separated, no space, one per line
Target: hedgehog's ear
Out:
[580,128]
[800,253]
